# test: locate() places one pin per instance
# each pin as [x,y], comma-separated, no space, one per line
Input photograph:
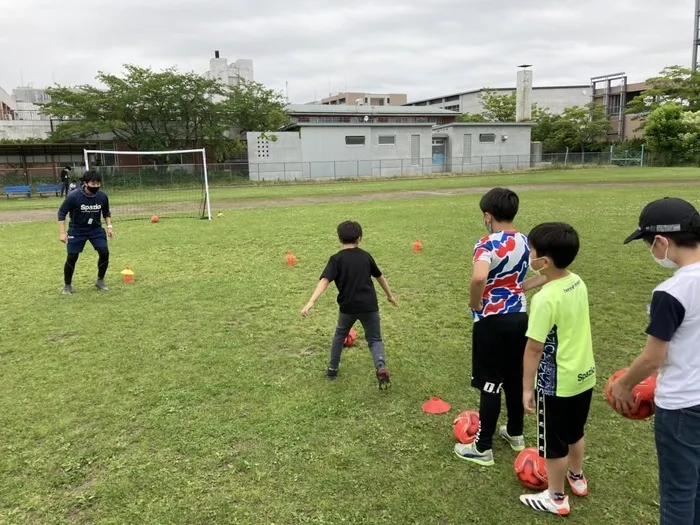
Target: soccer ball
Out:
[465,427]
[643,393]
[531,469]
[350,339]
[155,218]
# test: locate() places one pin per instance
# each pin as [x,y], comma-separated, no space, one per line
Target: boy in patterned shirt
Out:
[498,304]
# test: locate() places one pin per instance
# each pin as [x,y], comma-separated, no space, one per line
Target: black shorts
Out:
[498,345]
[77,239]
[560,422]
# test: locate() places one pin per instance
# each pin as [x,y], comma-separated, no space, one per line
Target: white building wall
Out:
[24,129]
[320,152]
[7,99]
[513,153]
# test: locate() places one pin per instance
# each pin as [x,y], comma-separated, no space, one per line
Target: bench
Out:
[16,190]
[48,188]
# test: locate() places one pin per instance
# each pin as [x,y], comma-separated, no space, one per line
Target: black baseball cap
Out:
[667,215]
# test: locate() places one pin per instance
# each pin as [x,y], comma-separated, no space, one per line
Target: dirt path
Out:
[233,204]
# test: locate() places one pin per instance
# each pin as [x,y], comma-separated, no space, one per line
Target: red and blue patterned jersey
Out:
[508,255]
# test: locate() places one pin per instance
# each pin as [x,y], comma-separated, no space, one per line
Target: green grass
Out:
[317,189]
[196,394]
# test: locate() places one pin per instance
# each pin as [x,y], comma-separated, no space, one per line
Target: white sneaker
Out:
[517,443]
[544,502]
[578,486]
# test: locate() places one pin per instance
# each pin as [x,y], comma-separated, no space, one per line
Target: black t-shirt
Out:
[85,209]
[352,270]
[64,176]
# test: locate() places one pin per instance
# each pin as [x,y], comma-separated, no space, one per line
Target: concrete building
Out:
[353,114]
[369,99]
[553,98]
[230,74]
[614,93]
[476,147]
[344,150]
[7,105]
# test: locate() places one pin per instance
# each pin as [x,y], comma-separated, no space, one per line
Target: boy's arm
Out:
[320,288]
[108,217]
[62,213]
[477,285]
[531,362]
[385,286]
[534,282]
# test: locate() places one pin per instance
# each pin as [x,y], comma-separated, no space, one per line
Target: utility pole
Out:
[696,34]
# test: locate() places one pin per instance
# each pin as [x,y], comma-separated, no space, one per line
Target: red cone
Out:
[436,406]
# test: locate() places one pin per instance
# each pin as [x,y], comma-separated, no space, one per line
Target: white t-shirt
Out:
[674,316]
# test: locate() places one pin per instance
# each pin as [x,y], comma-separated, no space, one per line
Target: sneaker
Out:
[544,502]
[100,284]
[517,443]
[470,453]
[67,290]
[331,374]
[383,378]
[578,484]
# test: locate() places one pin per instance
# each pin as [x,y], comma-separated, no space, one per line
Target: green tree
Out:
[670,135]
[471,117]
[579,127]
[674,84]
[253,107]
[163,110]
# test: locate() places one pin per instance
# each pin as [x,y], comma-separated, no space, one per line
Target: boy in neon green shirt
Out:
[559,352]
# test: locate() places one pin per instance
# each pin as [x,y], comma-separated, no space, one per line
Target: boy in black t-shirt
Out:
[352,270]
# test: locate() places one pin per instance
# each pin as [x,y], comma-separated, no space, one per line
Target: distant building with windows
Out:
[370,99]
[614,93]
[553,98]
[229,74]
[366,114]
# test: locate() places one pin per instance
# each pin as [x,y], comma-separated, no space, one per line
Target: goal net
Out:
[141,184]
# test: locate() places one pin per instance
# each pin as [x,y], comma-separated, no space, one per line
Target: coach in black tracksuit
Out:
[85,207]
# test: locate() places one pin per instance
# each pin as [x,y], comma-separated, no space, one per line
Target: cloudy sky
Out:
[420,47]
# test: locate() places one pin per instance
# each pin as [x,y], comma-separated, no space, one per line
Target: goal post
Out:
[169,190]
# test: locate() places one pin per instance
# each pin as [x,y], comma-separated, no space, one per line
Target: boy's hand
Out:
[476,307]
[63,237]
[622,398]
[529,401]
[305,310]
[393,300]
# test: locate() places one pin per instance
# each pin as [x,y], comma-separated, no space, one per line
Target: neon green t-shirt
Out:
[559,318]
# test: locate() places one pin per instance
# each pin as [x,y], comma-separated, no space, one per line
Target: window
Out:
[386,140]
[354,140]
[489,138]
[454,107]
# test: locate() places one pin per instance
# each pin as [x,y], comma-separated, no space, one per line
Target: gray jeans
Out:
[373,332]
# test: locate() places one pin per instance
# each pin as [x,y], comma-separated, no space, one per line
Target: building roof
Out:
[486,125]
[358,125]
[46,148]
[344,109]
[471,92]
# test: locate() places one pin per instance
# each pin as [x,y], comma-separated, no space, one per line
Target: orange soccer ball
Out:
[531,469]
[155,218]
[350,339]
[643,394]
[465,427]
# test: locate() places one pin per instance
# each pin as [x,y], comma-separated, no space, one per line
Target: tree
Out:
[253,107]
[672,134]
[579,127]
[674,84]
[163,110]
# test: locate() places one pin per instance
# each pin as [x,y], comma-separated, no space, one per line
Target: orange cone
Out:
[417,246]
[291,259]
[128,274]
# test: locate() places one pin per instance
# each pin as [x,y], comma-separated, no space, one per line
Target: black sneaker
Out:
[67,290]
[331,374]
[100,284]
[383,378]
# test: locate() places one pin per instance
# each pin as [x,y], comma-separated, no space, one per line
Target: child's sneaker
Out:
[383,378]
[544,502]
[471,453]
[578,484]
[517,443]
[331,374]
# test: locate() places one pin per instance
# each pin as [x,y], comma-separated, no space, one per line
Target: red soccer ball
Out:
[643,394]
[531,469]
[155,218]
[350,339]
[465,427]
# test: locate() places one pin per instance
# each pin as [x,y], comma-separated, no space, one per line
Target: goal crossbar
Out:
[87,152]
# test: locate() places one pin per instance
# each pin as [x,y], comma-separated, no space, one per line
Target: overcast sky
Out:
[423,48]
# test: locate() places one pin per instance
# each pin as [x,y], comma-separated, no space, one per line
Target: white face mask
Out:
[536,272]
[665,262]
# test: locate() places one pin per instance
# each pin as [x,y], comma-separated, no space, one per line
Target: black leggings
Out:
[72,259]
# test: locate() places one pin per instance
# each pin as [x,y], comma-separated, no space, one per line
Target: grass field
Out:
[196,394]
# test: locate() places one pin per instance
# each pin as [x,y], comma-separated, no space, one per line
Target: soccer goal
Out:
[162,183]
